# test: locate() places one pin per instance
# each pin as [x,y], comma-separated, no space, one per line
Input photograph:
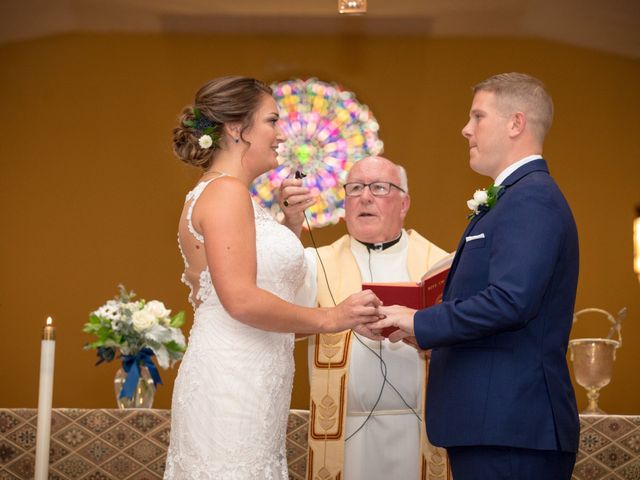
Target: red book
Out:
[420,295]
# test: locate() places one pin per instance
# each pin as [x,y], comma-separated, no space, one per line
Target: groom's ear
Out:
[517,124]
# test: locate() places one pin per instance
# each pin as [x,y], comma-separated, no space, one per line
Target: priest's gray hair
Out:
[404,182]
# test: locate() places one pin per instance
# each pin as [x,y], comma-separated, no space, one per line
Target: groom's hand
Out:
[396,316]
[412,342]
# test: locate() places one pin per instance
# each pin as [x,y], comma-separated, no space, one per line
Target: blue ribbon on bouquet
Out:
[131,365]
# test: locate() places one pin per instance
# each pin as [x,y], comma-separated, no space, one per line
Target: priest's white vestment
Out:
[388,444]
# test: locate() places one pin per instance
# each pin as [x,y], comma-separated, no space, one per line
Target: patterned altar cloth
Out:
[108,444]
[609,448]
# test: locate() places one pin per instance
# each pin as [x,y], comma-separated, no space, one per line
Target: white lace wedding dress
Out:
[232,394]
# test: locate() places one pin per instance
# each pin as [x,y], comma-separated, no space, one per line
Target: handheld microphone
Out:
[298,176]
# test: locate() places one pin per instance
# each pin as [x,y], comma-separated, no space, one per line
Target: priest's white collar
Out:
[392,246]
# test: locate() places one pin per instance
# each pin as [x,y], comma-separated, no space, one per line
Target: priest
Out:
[366,396]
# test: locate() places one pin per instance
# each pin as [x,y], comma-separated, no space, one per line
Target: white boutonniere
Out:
[483,200]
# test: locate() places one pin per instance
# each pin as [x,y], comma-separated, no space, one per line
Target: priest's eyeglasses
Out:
[377,189]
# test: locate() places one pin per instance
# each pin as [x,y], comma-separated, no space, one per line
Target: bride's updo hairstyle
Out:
[199,134]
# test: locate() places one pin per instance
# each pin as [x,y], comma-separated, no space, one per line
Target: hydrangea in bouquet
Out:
[138,330]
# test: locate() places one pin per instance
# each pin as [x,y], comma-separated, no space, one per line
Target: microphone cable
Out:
[383,364]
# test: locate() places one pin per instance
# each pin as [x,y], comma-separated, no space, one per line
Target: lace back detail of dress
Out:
[191,244]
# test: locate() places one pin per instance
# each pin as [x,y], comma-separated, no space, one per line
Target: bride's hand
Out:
[293,199]
[356,312]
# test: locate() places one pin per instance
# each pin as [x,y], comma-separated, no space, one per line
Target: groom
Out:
[500,398]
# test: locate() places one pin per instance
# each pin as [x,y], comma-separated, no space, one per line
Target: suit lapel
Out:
[527,168]
[533,166]
[456,258]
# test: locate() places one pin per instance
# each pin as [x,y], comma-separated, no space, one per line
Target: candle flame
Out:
[49,321]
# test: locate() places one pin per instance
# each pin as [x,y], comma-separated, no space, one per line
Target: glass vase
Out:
[144,393]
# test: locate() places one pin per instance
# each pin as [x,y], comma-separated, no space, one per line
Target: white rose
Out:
[131,306]
[473,204]
[157,308]
[481,197]
[177,336]
[205,141]
[143,320]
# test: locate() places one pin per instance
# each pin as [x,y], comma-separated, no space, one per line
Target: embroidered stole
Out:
[330,369]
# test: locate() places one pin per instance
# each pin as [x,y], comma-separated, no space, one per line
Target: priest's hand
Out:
[396,316]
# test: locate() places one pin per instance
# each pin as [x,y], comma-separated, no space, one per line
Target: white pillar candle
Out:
[636,243]
[45,394]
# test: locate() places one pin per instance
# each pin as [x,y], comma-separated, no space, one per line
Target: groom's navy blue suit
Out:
[498,373]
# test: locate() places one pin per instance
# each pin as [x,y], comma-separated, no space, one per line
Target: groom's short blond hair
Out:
[519,92]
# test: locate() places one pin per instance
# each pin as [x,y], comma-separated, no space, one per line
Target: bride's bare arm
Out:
[224,215]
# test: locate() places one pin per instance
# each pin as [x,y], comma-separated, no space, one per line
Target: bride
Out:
[232,393]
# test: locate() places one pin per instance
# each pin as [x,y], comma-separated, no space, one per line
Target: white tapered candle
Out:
[45,394]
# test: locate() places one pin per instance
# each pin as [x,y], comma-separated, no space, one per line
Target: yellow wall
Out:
[90,193]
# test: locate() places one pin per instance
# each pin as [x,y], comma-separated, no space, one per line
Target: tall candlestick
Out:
[45,394]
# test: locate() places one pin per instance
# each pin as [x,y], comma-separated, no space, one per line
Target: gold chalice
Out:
[593,358]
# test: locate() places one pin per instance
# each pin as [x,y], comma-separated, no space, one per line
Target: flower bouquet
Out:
[138,330]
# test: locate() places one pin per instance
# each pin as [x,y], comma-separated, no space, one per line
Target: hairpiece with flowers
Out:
[208,130]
